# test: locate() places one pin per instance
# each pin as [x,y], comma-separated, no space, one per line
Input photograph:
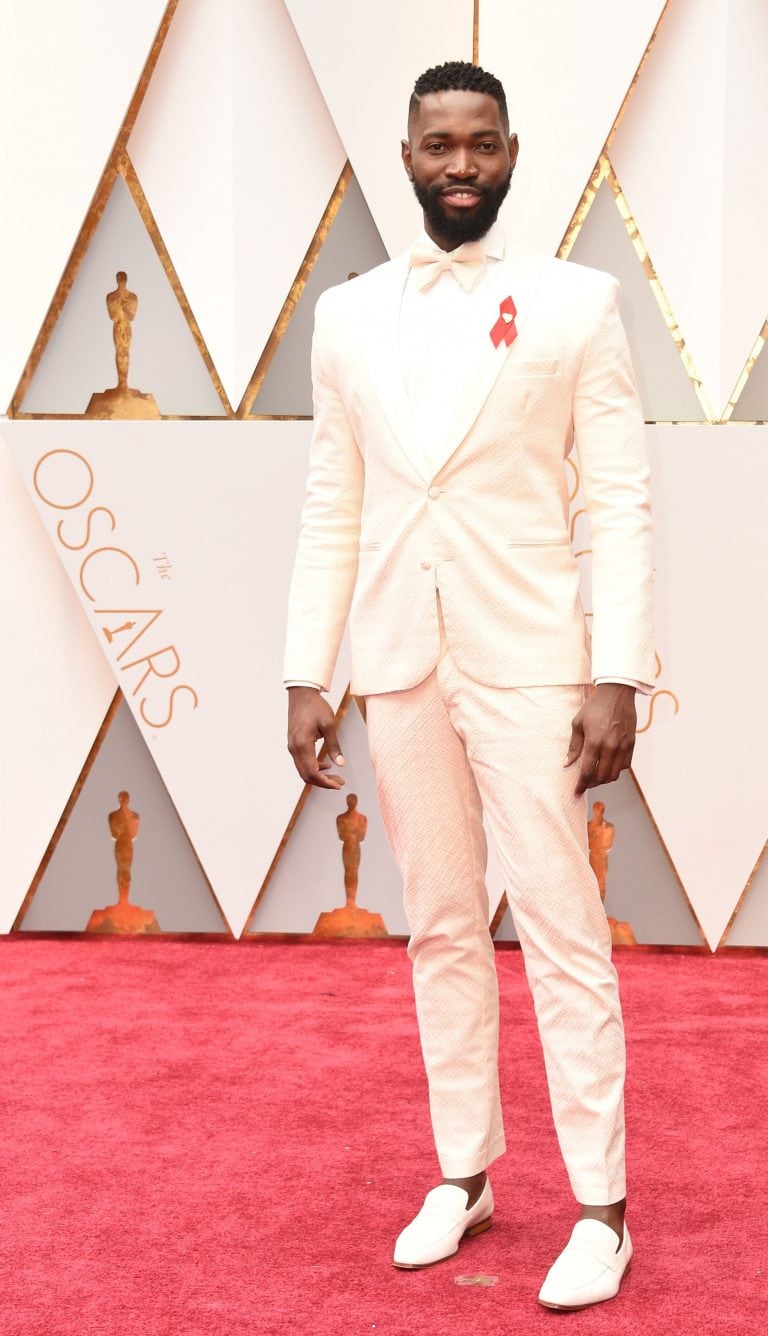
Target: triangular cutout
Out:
[79,358]
[502,924]
[81,877]
[666,391]
[642,890]
[308,879]
[752,403]
[750,922]
[353,245]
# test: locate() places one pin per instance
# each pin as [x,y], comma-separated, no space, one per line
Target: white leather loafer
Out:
[441,1224]
[589,1270]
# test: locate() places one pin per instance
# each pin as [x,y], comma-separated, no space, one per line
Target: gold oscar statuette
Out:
[121,401]
[601,837]
[123,917]
[350,920]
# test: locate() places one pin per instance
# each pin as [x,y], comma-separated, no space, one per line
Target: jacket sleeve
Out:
[325,568]
[610,440]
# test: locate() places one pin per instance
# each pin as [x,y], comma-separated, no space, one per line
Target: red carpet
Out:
[212,1138]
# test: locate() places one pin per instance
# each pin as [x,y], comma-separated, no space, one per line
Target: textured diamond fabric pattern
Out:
[443,751]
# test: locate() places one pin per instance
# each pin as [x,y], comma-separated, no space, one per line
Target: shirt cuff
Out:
[299,683]
[642,687]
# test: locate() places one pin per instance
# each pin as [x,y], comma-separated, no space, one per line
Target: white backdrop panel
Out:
[366,58]
[565,70]
[703,770]
[199,526]
[67,76]
[686,153]
[238,157]
[55,690]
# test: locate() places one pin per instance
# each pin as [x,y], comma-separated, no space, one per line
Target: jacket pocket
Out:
[539,542]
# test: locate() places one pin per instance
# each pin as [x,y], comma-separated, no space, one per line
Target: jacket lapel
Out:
[518,276]
[382,338]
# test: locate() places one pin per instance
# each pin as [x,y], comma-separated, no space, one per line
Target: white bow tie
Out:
[466,264]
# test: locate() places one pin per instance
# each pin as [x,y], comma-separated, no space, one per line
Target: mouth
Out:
[462,197]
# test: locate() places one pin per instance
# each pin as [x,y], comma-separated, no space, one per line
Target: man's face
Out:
[459,158]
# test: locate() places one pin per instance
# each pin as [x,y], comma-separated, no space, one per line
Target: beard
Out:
[469,225]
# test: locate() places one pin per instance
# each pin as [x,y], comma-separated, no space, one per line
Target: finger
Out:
[321,781]
[304,758]
[310,767]
[332,744]
[325,766]
[590,764]
[319,773]
[577,743]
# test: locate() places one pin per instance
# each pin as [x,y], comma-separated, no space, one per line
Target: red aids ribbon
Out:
[504,330]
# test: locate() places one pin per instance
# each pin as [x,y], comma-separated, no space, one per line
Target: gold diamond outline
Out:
[295,293]
[16,928]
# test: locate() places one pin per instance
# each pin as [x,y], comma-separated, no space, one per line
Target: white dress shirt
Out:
[439,327]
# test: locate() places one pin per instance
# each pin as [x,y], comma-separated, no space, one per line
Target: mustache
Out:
[435,192]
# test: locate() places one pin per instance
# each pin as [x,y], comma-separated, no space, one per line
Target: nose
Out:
[462,165]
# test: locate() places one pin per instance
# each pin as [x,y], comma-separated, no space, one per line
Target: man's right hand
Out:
[310,718]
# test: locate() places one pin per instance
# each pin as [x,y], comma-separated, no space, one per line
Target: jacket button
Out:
[426,565]
[434,493]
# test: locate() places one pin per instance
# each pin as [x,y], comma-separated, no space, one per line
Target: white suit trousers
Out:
[443,752]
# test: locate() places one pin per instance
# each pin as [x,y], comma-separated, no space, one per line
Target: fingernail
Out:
[340,760]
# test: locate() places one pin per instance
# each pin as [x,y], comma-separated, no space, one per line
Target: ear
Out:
[405,153]
[514,149]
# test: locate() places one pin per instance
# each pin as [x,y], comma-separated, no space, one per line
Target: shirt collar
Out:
[493,241]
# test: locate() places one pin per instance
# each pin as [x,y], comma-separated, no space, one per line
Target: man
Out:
[449,385]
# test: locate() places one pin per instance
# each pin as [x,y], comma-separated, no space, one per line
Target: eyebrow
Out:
[446,134]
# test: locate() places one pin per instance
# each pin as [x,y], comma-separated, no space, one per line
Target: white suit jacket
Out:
[489,527]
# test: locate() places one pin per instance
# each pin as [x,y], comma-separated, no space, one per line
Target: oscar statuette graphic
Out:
[350,920]
[121,401]
[601,836]
[123,917]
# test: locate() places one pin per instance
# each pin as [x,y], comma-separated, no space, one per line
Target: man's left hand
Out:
[603,735]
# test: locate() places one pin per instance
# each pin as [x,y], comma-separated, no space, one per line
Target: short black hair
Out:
[462,76]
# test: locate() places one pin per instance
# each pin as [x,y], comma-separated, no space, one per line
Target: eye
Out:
[489,147]
[435,148]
